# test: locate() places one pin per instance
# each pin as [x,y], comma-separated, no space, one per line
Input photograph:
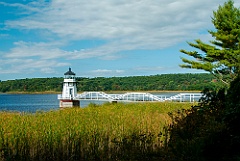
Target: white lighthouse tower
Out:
[69,92]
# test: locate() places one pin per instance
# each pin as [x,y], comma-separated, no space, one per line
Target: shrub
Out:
[210,130]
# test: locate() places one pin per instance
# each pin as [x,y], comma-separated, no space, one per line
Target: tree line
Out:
[182,82]
[210,130]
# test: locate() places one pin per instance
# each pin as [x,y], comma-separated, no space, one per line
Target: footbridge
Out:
[137,97]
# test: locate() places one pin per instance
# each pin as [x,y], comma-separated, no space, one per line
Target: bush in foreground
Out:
[210,130]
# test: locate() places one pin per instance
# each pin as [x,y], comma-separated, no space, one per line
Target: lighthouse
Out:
[69,91]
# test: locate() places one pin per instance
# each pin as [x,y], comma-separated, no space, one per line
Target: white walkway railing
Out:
[137,96]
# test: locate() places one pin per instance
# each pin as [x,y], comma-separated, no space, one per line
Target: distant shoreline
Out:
[109,92]
[43,92]
[154,91]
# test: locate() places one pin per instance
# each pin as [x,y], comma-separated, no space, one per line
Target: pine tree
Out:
[222,56]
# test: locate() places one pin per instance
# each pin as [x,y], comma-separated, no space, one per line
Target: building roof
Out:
[69,72]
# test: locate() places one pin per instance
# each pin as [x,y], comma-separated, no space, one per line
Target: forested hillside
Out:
[134,83]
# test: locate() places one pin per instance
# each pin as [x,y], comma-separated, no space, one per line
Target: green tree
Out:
[222,56]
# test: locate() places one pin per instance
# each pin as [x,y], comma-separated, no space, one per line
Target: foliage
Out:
[144,83]
[222,56]
[134,83]
[98,132]
[32,85]
[210,130]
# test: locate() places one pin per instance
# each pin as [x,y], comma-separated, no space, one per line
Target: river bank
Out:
[108,92]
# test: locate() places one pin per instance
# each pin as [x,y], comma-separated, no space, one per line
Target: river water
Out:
[42,102]
[33,102]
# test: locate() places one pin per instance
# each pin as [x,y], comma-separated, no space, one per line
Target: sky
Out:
[106,38]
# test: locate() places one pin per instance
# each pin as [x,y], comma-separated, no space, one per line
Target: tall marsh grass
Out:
[98,132]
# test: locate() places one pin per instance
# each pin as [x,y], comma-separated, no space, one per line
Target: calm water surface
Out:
[42,102]
[28,102]
[32,102]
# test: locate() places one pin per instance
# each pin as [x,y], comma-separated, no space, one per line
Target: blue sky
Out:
[107,38]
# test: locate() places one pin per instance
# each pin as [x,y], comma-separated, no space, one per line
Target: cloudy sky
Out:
[99,38]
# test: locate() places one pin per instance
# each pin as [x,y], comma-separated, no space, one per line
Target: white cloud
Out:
[48,70]
[51,50]
[127,25]
[147,68]
[28,65]
[41,50]
[26,8]
[106,72]
[124,26]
